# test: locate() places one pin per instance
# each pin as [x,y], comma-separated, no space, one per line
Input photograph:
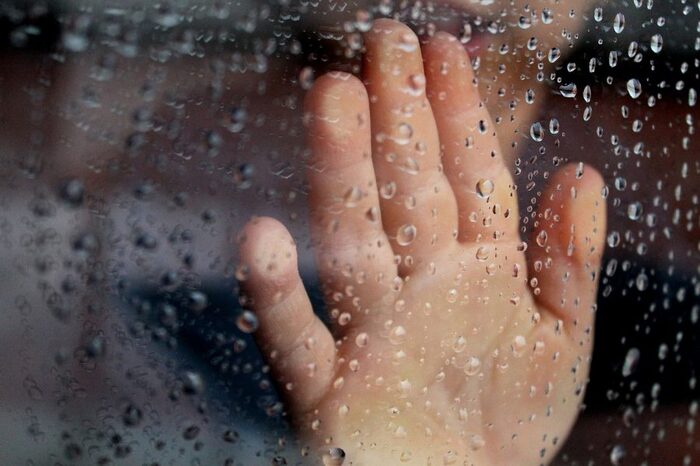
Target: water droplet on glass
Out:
[634,88]
[192,383]
[344,318]
[553,55]
[417,83]
[306,78]
[634,211]
[617,454]
[410,166]
[554,126]
[397,335]
[452,295]
[642,281]
[404,134]
[598,14]
[247,322]
[519,345]
[408,42]
[484,188]
[361,340]
[614,239]
[334,457]
[524,22]
[459,345]
[568,90]
[547,16]
[388,190]
[132,416]
[532,43]
[619,23]
[465,35]
[406,234]
[631,362]
[530,96]
[482,253]
[476,442]
[536,131]
[197,301]
[73,192]
[657,43]
[473,366]
[363,20]
[372,214]
[352,197]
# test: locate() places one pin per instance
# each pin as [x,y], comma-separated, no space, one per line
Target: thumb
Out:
[567,247]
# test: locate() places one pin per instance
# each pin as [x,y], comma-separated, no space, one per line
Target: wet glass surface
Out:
[349,232]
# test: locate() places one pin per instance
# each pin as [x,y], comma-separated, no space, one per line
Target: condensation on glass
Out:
[349,232]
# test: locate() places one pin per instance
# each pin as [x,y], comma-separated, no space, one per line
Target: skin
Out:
[505,77]
[450,343]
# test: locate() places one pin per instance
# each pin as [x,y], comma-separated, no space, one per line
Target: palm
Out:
[449,344]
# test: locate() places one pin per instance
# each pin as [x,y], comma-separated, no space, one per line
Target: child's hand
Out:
[452,343]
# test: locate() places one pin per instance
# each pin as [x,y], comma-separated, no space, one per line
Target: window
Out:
[349,232]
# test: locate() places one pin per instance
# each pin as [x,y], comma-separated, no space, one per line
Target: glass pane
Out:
[349,232]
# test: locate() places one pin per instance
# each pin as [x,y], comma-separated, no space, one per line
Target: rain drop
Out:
[536,131]
[406,234]
[473,366]
[631,362]
[306,78]
[634,88]
[247,322]
[617,454]
[397,335]
[568,90]
[619,23]
[598,14]
[334,457]
[634,211]
[484,188]
[361,340]
[554,55]
[554,126]
[352,197]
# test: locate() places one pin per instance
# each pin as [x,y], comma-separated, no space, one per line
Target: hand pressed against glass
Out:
[451,342]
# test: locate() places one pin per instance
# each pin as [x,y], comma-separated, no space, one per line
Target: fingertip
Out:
[336,106]
[389,26]
[331,88]
[569,240]
[591,190]
[583,206]
[268,253]
[580,175]
[450,74]
[443,45]
[390,37]
[337,118]
[575,181]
